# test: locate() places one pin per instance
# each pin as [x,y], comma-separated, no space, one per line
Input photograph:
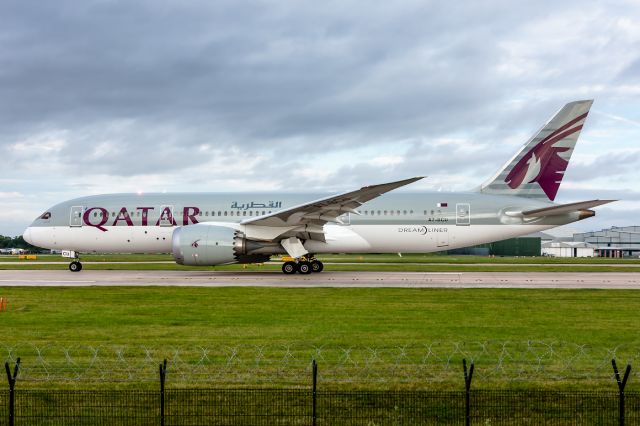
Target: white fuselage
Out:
[425,222]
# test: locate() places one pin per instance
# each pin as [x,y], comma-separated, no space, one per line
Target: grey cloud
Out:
[270,89]
[615,164]
[622,194]
[257,71]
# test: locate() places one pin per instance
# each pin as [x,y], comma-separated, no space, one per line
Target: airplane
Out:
[210,229]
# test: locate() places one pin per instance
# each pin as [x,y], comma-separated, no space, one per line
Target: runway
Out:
[570,280]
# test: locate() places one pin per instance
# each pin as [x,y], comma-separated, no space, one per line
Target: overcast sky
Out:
[117,96]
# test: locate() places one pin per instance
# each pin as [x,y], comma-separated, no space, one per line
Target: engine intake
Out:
[210,245]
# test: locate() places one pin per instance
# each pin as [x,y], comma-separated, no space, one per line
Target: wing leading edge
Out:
[306,221]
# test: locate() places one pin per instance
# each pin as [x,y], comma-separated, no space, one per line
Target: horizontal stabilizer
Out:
[565,208]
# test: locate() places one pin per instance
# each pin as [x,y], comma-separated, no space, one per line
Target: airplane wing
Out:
[565,208]
[306,221]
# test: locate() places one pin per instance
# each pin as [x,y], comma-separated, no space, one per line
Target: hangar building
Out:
[617,241]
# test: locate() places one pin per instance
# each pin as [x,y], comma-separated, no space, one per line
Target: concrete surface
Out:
[571,280]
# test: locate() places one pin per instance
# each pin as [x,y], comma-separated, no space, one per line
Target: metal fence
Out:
[295,407]
[315,406]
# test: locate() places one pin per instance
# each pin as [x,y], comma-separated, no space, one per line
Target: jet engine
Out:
[210,245]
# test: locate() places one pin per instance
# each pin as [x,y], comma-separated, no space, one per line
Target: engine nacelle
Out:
[210,245]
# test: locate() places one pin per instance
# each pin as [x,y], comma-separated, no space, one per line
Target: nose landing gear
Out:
[75,265]
[304,265]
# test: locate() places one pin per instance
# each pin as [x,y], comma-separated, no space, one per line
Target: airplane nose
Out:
[27,236]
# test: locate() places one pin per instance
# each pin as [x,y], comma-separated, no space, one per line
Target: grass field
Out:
[362,337]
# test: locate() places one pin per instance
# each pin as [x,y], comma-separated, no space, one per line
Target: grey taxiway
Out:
[569,280]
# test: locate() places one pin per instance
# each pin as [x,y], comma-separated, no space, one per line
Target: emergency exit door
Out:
[463,214]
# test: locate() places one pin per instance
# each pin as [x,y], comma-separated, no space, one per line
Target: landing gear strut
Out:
[304,265]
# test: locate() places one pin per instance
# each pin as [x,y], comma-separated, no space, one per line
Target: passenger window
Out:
[244,213]
[225,213]
[404,212]
[391,212]
[220,214]
[206,213]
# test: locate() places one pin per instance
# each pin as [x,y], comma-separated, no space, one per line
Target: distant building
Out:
[616,241]
[12,251]
[568,249]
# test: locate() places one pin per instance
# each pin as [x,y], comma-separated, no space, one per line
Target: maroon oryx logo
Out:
[542,163]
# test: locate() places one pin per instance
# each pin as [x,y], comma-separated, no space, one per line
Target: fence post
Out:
[314,364]
[163,375]
[468,376]
[621,384]
[12,394]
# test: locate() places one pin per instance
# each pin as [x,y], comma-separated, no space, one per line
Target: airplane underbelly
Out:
[116,239]
[413,238]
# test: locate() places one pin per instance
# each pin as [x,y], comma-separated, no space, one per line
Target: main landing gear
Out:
[304,265]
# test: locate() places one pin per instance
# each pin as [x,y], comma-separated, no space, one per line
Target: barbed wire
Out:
[290,364]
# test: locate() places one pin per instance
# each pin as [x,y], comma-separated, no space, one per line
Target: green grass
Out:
[276,331]
[329,316]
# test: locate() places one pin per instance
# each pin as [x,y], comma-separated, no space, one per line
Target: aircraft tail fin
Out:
[536,171]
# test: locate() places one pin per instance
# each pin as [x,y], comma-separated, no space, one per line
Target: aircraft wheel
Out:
[289,268]
[304,268]
[75,266]
[317,266]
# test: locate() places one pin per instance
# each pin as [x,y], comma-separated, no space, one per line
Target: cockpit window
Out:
[45,216]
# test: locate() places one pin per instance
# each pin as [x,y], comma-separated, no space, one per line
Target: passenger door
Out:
[75,217]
